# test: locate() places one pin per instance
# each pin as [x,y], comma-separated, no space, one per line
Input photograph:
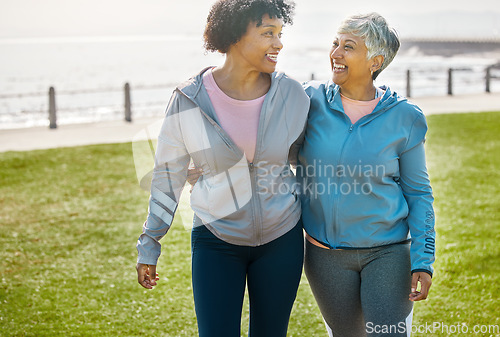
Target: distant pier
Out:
[451,47]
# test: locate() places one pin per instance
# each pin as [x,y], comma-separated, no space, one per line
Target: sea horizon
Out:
[198,36]
[103,64]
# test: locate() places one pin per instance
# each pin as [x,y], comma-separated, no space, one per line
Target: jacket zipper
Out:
[336,223]
[256,209]
[255,218]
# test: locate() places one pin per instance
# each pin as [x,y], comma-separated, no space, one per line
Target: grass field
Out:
[70,218]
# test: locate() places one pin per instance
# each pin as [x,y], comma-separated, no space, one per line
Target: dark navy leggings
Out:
[222,270]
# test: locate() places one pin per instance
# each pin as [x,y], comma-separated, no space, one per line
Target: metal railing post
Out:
[488,78]
[128,104]
[52,108]
[450,81]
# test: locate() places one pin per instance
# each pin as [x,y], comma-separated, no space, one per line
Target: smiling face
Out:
[258,49]
[350,66]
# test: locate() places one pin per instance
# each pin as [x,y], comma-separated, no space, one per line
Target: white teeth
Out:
[273,57]
[339,66]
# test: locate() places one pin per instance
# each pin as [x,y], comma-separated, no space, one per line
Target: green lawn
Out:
[70,218]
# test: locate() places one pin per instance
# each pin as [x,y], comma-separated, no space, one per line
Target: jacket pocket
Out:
[231,190]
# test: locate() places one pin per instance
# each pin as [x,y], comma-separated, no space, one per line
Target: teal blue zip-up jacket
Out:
[366,184]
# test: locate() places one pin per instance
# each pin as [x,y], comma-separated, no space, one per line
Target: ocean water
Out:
[88,74]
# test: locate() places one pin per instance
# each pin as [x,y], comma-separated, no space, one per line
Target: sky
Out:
[478,19]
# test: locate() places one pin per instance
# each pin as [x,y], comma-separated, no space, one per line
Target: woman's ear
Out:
[377,62]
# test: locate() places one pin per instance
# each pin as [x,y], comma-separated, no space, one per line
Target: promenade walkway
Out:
[121,131]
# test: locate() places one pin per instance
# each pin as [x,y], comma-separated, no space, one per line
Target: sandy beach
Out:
[120,131]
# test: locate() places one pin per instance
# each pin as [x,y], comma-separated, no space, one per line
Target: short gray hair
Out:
[380,39]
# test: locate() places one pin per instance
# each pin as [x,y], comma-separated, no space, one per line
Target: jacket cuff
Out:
[149,260]
[421,270]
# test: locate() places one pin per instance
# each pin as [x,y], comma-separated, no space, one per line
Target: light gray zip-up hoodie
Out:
[241,203]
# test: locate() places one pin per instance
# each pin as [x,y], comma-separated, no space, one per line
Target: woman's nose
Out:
[335,53]
[277,43]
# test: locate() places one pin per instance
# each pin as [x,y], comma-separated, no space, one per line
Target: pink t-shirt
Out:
[240,119]
[357,109]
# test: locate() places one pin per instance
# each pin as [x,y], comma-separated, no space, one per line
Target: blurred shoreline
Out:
[89,73]
[119,131]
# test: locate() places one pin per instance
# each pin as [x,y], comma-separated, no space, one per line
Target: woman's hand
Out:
[193,175]
[144,272]
[425,281]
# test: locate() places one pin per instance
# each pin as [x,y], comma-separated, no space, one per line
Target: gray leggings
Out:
[362,292]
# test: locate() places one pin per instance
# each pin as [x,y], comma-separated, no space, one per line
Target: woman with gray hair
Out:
[366,196]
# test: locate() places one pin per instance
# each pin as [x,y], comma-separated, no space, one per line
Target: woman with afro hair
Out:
[236,123]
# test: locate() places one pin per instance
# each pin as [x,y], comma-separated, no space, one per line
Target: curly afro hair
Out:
[228,20]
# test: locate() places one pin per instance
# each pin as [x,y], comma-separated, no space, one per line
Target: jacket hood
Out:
[191,87]
[388,100]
